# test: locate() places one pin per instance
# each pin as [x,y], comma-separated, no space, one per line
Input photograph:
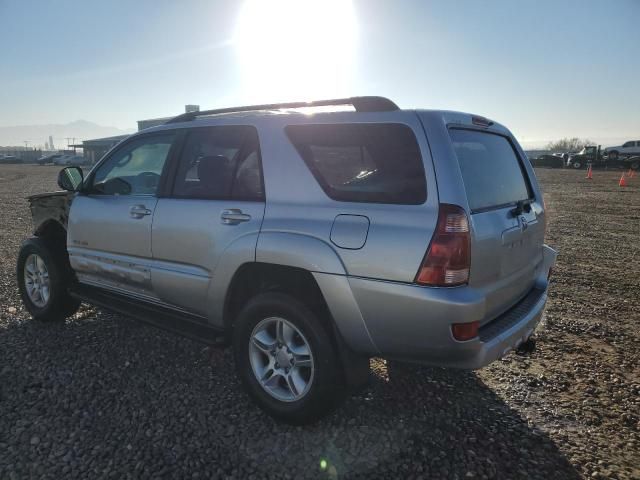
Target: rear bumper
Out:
[413,323]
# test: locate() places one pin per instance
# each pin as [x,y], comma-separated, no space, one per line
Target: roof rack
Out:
[361,104]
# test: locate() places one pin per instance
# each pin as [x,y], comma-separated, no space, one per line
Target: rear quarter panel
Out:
[398,235]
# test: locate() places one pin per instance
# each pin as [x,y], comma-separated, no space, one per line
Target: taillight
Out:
[449,256]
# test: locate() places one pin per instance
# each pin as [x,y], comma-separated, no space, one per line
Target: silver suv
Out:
[310,239]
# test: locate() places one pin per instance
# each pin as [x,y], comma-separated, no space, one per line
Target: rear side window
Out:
[376,163]
[491,170]
[220,163]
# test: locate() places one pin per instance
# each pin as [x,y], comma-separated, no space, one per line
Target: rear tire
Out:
[43,280]
[266,359]
[576,164]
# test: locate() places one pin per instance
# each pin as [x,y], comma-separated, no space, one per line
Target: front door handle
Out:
[139,211]
[234,216]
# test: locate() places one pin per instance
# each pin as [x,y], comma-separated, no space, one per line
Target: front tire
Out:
[43,280]
[613,155]
[286,360]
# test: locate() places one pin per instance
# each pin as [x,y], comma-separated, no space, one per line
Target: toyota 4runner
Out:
[309,236]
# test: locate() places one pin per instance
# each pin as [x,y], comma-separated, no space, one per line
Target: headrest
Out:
[211,167]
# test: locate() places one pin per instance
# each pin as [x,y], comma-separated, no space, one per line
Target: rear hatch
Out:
[507,222]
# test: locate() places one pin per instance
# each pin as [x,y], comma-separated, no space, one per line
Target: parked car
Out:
[9,159]
[593,155]
[309,243]
[61,159]
[588,155]
[76,160]
[47,159]
[626,149]
[553,161]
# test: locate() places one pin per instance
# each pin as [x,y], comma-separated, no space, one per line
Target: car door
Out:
[214,209]
[109,228]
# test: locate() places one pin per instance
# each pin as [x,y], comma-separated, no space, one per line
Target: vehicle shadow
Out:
[105,394]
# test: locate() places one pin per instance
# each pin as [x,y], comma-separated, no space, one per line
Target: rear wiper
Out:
[522,206]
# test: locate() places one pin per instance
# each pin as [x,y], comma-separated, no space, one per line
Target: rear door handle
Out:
[139,211]
[234,216]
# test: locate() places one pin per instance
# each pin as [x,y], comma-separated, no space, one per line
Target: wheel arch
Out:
[54,234]
[50,229]
[253,278]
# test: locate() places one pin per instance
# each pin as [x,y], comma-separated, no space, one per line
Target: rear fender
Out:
[300,251]
[319,258]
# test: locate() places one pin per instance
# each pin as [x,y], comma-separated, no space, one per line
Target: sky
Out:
[545,68]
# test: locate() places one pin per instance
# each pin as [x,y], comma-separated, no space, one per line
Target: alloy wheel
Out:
[36,280]
[281,359]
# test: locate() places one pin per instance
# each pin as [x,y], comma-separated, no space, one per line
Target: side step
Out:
[181,323]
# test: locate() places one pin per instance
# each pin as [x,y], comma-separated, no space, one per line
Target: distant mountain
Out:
[37,135]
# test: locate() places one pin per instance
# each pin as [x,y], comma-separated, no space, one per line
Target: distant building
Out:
[153,122]
[95,149]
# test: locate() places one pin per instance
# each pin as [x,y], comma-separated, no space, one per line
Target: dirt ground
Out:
[101,396]
[582,385]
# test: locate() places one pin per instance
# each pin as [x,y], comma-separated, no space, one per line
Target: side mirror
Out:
[70,179]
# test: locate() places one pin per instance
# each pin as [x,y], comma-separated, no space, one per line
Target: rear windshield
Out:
[491,170]
[375,162]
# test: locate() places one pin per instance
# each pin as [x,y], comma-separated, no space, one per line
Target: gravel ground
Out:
[101,396]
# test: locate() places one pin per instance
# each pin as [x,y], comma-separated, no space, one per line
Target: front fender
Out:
[47,207]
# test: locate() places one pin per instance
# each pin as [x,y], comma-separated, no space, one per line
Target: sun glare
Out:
[295,49]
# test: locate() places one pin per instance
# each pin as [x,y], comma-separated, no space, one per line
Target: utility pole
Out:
[26,144]
[67,139]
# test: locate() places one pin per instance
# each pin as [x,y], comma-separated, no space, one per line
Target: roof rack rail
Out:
[361,104]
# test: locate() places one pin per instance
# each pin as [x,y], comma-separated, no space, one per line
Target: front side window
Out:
[372,162]
[134,169]
[628,144]
[220,163]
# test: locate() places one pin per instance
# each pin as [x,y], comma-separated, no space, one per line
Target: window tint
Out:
[135,168]
[491,170]
[219,163]
[377,163]
[628,144]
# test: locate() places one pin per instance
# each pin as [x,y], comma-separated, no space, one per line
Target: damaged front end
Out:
[50,207]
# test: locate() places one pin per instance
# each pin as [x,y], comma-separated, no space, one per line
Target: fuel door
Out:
[350,231]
